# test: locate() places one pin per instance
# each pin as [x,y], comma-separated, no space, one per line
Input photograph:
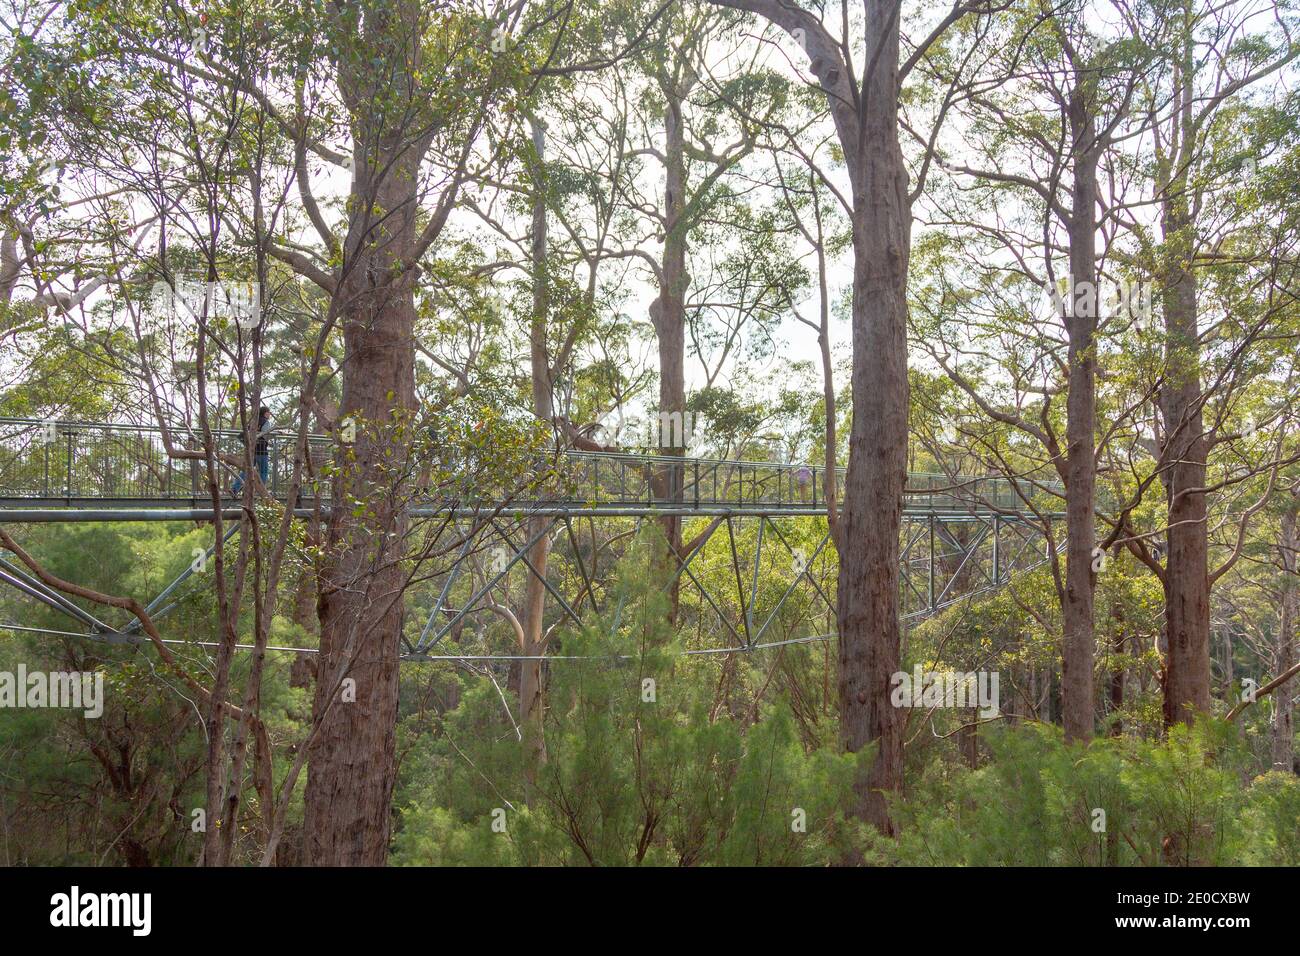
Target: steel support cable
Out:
[416,657]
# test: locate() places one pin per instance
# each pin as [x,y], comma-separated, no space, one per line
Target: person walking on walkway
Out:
[803,478]
[261,451]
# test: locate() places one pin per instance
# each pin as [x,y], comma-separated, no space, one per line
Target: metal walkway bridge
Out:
[960,538]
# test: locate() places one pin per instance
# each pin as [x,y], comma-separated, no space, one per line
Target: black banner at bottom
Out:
[237,906]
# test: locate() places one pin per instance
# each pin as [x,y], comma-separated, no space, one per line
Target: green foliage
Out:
[1272,820]
[641,767]
[120,788]
[1180,801]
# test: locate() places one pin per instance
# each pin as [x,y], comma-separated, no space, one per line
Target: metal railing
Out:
[126,464]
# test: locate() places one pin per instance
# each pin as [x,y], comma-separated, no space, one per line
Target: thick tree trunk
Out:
[866,121]
[867,593]
[1283,708]
[868,587]
[351,762]
[1187,581]
[1079,651]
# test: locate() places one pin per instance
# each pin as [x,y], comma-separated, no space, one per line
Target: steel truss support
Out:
[426,643]
[24,582]
[18,578]
[746,627]
[945,558]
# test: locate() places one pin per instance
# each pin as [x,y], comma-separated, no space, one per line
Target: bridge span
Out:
[961,537]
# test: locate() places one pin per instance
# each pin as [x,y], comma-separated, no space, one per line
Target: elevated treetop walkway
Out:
[64,471]
[959,538]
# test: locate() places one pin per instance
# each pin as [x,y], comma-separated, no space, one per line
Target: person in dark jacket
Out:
[261,451]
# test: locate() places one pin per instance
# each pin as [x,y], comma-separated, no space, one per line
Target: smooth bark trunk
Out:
[668,315]
[1079,650]
[531,708]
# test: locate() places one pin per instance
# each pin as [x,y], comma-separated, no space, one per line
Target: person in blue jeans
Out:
[261,452]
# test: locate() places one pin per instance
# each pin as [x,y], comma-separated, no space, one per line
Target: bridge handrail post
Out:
[67,489]
[171,465]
